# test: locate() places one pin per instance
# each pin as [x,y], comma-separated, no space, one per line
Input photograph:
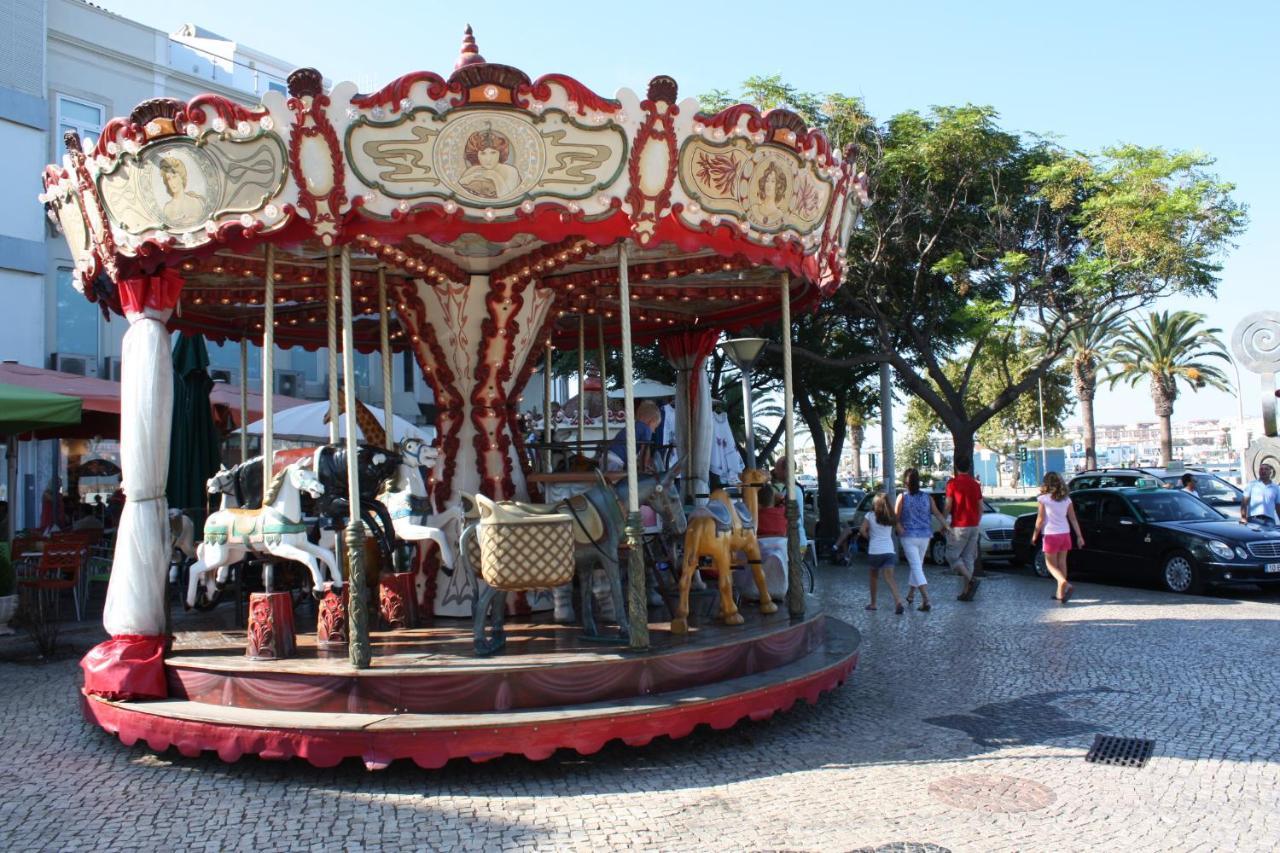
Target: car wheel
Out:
[1040,565]
[1181,574]
[938,551]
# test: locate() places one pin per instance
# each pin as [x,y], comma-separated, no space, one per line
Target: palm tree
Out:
[1164,348]
[1087,345]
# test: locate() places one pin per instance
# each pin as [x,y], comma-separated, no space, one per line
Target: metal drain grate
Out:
[1120,751]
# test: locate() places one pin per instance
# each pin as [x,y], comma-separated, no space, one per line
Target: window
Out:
[77,319]
[361,360]
[408,371]
[305,363]
[1086,507]
[83,117]
[1114,508]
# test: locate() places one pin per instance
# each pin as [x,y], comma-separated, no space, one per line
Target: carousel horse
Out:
[405,497]
[230,535]
[241,486]
[599,527]
[182,535]
[718,530]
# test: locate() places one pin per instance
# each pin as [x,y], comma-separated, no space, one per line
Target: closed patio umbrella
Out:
[193,457]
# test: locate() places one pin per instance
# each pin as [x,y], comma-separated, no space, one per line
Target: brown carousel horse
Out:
[718,530]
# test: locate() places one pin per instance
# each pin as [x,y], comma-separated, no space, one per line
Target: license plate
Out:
[1272,568]
[1004,546]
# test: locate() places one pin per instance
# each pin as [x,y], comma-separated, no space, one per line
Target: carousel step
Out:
[432,739]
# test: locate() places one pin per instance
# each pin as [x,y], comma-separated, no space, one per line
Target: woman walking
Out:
[1055,522]
[915,509]
[877,529]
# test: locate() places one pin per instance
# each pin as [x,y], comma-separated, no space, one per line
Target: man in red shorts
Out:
[964,509]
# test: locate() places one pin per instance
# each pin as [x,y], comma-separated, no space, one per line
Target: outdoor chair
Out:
[59,569]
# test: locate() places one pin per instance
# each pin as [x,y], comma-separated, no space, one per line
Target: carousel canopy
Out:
[485,172]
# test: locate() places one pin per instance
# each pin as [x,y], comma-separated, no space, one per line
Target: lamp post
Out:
[744,353]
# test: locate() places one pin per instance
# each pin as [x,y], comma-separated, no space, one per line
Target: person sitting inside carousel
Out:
[648,417]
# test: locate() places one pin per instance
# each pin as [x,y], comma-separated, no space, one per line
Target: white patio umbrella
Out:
[646,389]
[307,423]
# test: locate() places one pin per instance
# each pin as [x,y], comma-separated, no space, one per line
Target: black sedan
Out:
[1161,533]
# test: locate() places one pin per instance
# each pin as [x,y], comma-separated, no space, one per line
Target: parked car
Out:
[1165,534]
[995,536]
[1214,490]
[847,501]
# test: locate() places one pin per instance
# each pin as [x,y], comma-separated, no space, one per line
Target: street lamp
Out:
[744,353]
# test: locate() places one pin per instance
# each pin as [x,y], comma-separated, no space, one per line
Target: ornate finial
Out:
[663,88]
[470,53]
[304,82]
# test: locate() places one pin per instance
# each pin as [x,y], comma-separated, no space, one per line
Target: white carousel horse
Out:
[182,535]
[276,529]
[405,497]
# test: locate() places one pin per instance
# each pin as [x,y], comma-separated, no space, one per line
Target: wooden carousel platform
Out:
[429,699]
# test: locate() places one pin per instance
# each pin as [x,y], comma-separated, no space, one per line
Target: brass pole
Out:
[637,601]
[268,372]
[331,312]
[384,338]
[795,585]
[357,595]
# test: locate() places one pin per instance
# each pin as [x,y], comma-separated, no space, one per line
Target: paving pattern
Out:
[963,729]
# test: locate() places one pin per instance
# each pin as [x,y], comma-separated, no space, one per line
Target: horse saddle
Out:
[718,512]
[588,526]
[244,522]
[744,515]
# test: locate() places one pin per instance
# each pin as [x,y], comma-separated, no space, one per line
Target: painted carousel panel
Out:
[486,157]
[179,184]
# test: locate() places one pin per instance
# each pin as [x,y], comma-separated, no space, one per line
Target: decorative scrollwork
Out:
[1256,342]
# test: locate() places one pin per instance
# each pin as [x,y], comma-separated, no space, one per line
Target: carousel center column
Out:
[131,664]
[474,341]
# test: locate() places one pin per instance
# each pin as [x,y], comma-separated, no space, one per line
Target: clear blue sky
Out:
[1176,74]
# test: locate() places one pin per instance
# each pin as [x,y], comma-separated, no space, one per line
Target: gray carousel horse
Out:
[599,524]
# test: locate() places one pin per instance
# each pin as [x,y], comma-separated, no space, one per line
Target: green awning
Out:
[26,409]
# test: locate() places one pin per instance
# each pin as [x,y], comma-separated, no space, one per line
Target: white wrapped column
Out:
[139,572]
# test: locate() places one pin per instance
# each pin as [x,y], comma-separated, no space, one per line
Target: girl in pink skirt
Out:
[1055,522]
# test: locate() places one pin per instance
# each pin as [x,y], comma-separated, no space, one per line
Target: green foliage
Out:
[8,582]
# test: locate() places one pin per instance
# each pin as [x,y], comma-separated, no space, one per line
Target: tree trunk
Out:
[1090,439]
[1166,440]
[1163,394]
[963,442]
[828,505]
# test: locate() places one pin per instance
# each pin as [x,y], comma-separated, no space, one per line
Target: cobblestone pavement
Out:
[963,729]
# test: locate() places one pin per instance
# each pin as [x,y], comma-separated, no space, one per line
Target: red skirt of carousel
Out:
[429,699]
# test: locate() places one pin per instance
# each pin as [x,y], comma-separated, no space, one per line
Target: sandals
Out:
[1066,593]
[900,609]
[869,607]
[924,608]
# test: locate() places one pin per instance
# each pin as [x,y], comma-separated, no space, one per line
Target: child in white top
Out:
[882,555]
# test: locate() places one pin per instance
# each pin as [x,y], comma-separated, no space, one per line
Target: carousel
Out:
[477,221]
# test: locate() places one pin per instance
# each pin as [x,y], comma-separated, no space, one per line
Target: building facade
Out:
[70,65]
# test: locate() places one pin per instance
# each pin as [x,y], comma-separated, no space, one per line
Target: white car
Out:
[995,537]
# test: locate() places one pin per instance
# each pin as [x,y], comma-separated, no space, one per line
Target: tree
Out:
[1165,349]
[1017,424]
[1087,345]
[856,418]
[976,233]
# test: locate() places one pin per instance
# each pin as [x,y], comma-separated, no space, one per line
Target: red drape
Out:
[159,292]
[689,349]
[126,667]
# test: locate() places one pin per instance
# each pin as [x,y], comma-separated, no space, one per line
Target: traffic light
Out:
[925,459]
[1023,455]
